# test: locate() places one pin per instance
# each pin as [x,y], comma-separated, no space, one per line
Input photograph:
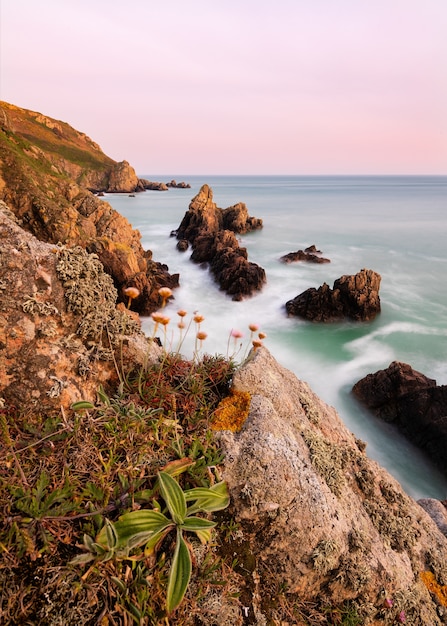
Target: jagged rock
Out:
[50,194]
[122,178]
[177,185]
[414,402]
[210,230]
[59,324]
[437,511]
[355,297]
[310,254]
[316,516]
[153,186]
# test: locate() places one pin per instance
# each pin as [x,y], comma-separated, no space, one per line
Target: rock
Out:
[310,254]
[122,178]
[355,297]
[59,206]
[211,232]
[414,402]
[177,185]
[59,325]
[153,186]
[315,515]
[437,512]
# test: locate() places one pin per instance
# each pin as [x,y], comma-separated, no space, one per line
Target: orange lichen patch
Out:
[440,591]
[232,412]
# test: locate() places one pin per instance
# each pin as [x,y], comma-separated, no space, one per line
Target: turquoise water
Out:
[396,226]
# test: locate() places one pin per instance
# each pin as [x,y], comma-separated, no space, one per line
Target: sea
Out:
[394,225]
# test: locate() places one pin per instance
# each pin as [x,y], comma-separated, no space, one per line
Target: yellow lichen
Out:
[232,412]
[440,591]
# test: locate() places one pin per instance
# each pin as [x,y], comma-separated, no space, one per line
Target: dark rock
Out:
[211,232]
[177,185]
[355,297]
[182,245]
[311,255]
[411,400]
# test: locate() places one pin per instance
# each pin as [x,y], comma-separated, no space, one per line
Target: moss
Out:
[312,413]
[391,524]
[327,458]
[325,556]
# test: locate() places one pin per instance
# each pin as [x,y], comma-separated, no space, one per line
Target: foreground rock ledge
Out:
[316,514]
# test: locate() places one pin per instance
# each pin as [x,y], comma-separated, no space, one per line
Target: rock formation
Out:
[211,233]
[310,254]
[59,324]
[46,171]
[173,183]
[355,297]
[411,400]
[316,516]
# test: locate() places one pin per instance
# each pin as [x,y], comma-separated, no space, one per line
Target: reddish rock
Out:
[310,255]
[355,297]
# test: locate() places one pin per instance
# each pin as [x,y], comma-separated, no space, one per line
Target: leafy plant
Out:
[149,528]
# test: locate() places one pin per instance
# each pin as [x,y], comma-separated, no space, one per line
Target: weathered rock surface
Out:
[59,324]
[355,297]
[211,233]
[318,517]
[310,255]
[414,402]
[46,171]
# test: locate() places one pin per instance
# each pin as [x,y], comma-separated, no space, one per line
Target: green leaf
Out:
[179,574]
[204,535]
[174,468]
[196,523]
[111,535]
[82,405]
[82,559]
[210,499]
[153,543]
[133,523]
[173,496]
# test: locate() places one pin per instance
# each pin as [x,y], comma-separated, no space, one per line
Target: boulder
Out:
[153,186]
[316,517]
[411,400]
[211,232]
[60,326]
[355,297]
[122,178]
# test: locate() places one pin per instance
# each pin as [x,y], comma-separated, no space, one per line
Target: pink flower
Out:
[236,334]
[401,618]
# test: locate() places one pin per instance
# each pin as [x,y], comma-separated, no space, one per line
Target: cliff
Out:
[47,172]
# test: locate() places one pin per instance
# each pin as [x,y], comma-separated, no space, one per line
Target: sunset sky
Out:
[238,86]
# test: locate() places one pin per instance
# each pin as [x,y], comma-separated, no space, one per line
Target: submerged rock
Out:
[355,297]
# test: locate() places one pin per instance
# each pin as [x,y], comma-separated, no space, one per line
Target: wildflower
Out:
[165,320]
[402,618]
[165,293]
[198,318]
[236,334]
[201,336]
[253,327]
[388,603]
[158,318]
[181,325]
[131,293]
[256,344]
[262,335]
[181,313]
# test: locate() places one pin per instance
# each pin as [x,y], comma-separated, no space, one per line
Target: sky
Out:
[238,86]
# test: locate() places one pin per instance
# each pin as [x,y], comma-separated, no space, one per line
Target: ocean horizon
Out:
[394,225]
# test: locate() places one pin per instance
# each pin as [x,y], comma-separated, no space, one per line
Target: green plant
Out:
[149,528]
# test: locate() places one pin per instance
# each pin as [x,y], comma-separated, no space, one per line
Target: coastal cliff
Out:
[315,532]
[47,173]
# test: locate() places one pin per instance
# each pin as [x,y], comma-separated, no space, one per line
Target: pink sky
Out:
[240,86]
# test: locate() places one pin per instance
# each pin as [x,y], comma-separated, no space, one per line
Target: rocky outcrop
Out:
[411,400]
[211,233]
[182,185]
[355,297]
[310,255]
[59,323]
[153,186]
[318,518]
[46,184]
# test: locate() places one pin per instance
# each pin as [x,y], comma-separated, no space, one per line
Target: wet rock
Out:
[355,297]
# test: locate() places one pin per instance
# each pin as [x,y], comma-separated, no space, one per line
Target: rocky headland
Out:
[48,173]
[353,297]
[211,232]
[414,402]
